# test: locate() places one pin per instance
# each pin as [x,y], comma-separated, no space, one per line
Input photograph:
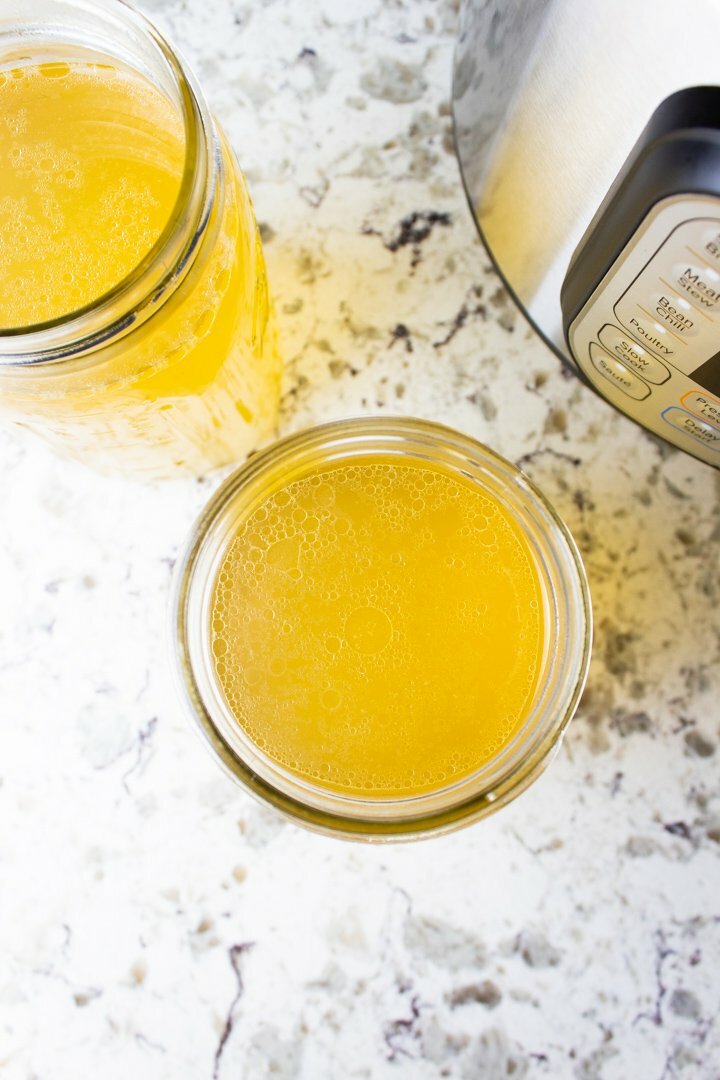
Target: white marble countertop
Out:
[155,922]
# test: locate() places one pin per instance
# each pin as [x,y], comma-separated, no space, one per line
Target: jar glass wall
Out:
[565,611]
[173,367]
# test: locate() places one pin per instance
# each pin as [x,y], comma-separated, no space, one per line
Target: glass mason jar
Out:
[175,367]
[566,619]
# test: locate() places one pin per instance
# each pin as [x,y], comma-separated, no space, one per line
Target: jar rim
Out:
[564,671]
[139,293]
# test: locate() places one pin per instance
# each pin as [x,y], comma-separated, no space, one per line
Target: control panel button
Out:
[675,313]
[699,284]
[704,405]
[690,425]
[648,332]
[617,374]
[709,246]
[633,355]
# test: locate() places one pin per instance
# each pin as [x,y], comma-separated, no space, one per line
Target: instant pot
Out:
[588,137]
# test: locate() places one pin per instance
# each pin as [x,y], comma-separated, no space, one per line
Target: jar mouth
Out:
[120,32]
[567,622]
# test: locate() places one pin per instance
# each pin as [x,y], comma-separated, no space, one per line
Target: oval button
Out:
[699,284]
[632,354]
[654,336]
[710,244]
[690,425]
[617,374]
[703,405]
[675,313]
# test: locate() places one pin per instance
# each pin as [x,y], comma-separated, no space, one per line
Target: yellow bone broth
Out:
[376,627]
[90,168]
[91,164]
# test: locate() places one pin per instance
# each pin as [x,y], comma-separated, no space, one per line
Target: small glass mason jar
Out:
[175,368]
[565,608]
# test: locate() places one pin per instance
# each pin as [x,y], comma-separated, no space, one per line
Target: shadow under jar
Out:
[381,628]
[135,323]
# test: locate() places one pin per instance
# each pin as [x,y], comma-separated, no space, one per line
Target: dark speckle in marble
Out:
[443,944]
[698,745]
[485,993]
[412,231]
[535,949]
[394,81]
